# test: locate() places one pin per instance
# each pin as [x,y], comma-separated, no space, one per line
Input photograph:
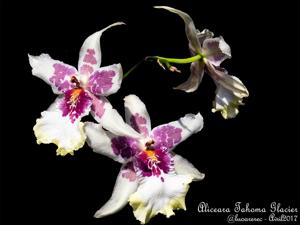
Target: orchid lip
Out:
[153,162]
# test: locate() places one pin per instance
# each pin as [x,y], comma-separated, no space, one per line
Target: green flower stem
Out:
[174,60]
[133,68]
[166,61]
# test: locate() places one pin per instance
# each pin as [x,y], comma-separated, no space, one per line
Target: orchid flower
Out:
[152,178]
[80,91]
[208,53]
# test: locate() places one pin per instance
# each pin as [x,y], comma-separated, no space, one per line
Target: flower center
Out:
[153,161]
[75,101]
[74,95]
[151,154]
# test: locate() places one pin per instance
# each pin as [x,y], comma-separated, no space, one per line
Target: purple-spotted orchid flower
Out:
[80,91]
[210,52]
[152,178]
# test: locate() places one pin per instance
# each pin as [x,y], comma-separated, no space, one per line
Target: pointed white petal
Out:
[195,78]
[184,167]
[99,141]
[126,184]
[110,119]
[90,52]
[190,29]
[171,134]
[55,73]
[137,115]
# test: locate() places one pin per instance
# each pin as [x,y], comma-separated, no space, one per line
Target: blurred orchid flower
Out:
[152,178]
[79,93]
[209,52]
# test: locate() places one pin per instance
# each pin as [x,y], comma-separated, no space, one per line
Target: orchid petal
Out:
[155,196]
[203,35]
[106,80]
[52,127]
[195,78]
[90,52]
[184,167]
[216,50]
[232,83]
[229,93]
[171,134]
[227,102]
[126,184]
[235,85]
[110,119]
[137,115]
[99,140]
[190,29]
[103,142]
[53,72]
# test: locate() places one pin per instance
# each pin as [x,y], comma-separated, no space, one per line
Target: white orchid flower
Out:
[80,91]
[210,52]
[152,178]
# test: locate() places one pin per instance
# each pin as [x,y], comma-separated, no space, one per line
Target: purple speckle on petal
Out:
[98,106]
[128,172]
[64,86]
[75,102]
[86,69]
[212,44]
[101,81]
[139,123]
[60,76]
[166,136]
[218,57]
[90,57]
[126,147]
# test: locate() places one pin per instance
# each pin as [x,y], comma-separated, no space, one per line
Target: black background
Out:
[253,158]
